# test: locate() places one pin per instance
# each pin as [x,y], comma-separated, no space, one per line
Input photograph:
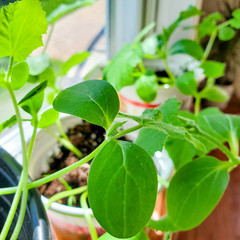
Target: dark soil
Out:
[86,138]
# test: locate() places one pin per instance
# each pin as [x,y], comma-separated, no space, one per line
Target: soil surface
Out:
[86,137]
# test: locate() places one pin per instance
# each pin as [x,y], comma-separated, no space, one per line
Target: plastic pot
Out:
[35,225]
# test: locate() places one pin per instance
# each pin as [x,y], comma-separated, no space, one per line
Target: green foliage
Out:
[33,101]
[48,118]
[56,9]
[140,236]
[96,101]
[122,193]
[215,94]
[119,71]
[213,69]
[8,123]
[235,21]
[38,63]
[187,84]
[75,59]
[146,87]
[22,25]
[19,75]
[163,224]
[195,190]
[187,46]
[226,34]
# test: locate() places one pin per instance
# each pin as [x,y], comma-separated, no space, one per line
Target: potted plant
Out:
[122,182]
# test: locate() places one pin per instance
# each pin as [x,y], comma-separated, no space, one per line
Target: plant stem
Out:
[167,235]
[48,38]
[61,130]
[57,174]
[31,144]
[209,46]
[168,70]
[88,217]
[64,194]
[162,181]
[126,131]
[141,67]
[197,105]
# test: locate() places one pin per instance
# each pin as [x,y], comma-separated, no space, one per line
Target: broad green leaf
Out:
[75,59]
[195,190]
[8,123]
[38,63]
[96,101]
[226,34]
[21,27]
[180,151]
[235,23]
[187,46]
[2,79]
[19,75]
[163,224]
[122,188]
[33,101]
[48,118]
[187,83]
[140,236]
[213,69]
[58,8]
[119,71]
[215,94]
[146,87]
[236,13]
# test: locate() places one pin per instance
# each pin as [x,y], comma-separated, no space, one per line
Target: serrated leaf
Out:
[226,34]
[213,69]
[146,87]
[215,94]
[21,27]
[48,118]
[75,59]
[38,63]
[33,101]
[187,46]
[19,75]
[8,123]
[140,236]
[95,101]
[123,197]
[163,224]
[58,8]
[119,71]
[187,83]
[195,190]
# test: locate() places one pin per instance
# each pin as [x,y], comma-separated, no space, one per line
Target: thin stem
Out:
[61,130]
[71,198]
[209,46]
[57,174]
[129,130]
[168,70]
[197,105]
[167,235]
[87,216]
[48,38]
[141,67]
[31,144]
[64,194]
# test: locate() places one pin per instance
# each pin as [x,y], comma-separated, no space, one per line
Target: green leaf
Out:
[119,71]
[33,101]
[38,63]
[163,224]
[96,101]
[190,12]
[144,32]
[235,23]
[122,193]
[187,83]
[215,94]
[213,69]
[75,59]
[8,123]
[19,75]
[149,45]
[140,236]
[195,190]
[187,46]
[59,8]
[21,27]
[115,129]
[146,87]
[236,13]
[48,118]
[226,34]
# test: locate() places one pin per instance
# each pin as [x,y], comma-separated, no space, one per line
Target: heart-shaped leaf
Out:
[95,101]
[122,188]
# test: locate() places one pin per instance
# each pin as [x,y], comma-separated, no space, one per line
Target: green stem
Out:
[209,45]
[64,194]
[167,235]
[48,38]
[61,130]
[88,217]
[141,67]
[31,144]
[126,131]
[168,70]
[66,143]
[197,105]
